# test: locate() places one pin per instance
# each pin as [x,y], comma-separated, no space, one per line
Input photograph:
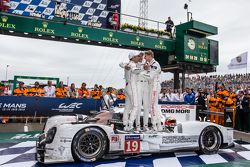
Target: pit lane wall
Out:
[44,106]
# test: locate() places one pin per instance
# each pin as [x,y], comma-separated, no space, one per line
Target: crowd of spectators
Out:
[234,81]
[63,91]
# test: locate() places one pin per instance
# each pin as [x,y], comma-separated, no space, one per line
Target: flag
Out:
[239,61]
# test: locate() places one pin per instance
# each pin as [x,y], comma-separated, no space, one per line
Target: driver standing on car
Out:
[153,74]
[131,101]
[143,95]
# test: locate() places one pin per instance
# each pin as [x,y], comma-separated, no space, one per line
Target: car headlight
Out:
[50,135]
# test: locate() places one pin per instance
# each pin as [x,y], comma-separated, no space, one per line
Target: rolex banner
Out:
[239,61]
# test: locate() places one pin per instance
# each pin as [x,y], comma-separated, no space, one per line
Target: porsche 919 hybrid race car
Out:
[89,138]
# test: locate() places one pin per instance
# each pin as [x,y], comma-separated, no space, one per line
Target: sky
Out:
[99,65]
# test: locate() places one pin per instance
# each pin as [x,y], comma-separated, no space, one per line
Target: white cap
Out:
[132,54]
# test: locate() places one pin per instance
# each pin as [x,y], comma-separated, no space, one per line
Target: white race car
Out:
[89,138]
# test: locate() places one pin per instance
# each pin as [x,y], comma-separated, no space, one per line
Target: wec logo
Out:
[70,106]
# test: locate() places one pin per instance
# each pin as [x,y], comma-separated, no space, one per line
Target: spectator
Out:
[61,91]
[36,90]
[189,97]
[1,89]
[100,89]
[242,111]
[163,95]
[21,90]
[201,101]
[120,95]
[49,90]
[115,20]
[170,95]
[83,92]
[169,25]
[178,97]
[96,93]
[109,98]
[72,92]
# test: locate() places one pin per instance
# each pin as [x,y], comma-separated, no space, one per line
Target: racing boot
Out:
[138,128]
[145,128]
[126,128]
[130,128]
[159,128]
[154,128]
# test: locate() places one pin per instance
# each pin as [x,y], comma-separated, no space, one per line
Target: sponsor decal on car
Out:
[132,144]
[115,139]
[179,139]
[65,140]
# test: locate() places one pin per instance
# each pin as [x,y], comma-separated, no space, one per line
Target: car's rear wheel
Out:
[210,140]
[89,144]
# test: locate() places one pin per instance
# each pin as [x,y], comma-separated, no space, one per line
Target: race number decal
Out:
[132,144]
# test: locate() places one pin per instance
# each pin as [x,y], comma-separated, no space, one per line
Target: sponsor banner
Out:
[50,28]
[167,140]
[181,113]
[132,137]
[43,106]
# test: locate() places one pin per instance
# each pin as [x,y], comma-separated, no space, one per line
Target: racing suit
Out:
[131,101]
[153,75]
[143,97]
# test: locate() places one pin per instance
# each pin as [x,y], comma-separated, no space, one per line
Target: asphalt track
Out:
[18,150]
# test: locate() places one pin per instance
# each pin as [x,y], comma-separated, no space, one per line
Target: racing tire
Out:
[210,140]
[89,144]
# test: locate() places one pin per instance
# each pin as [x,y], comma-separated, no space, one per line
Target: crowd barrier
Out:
[44,106]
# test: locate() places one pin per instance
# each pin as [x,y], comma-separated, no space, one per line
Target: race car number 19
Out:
[132,144]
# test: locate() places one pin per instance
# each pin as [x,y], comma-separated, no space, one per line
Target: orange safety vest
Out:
[233,97]
[36,92]
[229,103]
[61,92]
[83,93]
[20,92]
[121,96]
[212,103]
[95,94]
[219,104]
[223,92]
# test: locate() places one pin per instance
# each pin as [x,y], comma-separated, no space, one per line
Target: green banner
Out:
[87,33]
[196,49]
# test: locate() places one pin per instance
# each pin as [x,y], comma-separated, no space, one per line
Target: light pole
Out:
[6,74]
[188,13]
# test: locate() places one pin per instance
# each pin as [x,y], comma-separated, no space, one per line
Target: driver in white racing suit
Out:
[131,101]
[143,95]
[153,73]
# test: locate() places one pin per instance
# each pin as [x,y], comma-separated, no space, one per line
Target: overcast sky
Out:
[93,64]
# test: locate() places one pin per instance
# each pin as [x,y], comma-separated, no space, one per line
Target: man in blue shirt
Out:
[189,97]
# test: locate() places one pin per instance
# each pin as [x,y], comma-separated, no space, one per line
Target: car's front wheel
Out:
[89,144]
[210,140]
